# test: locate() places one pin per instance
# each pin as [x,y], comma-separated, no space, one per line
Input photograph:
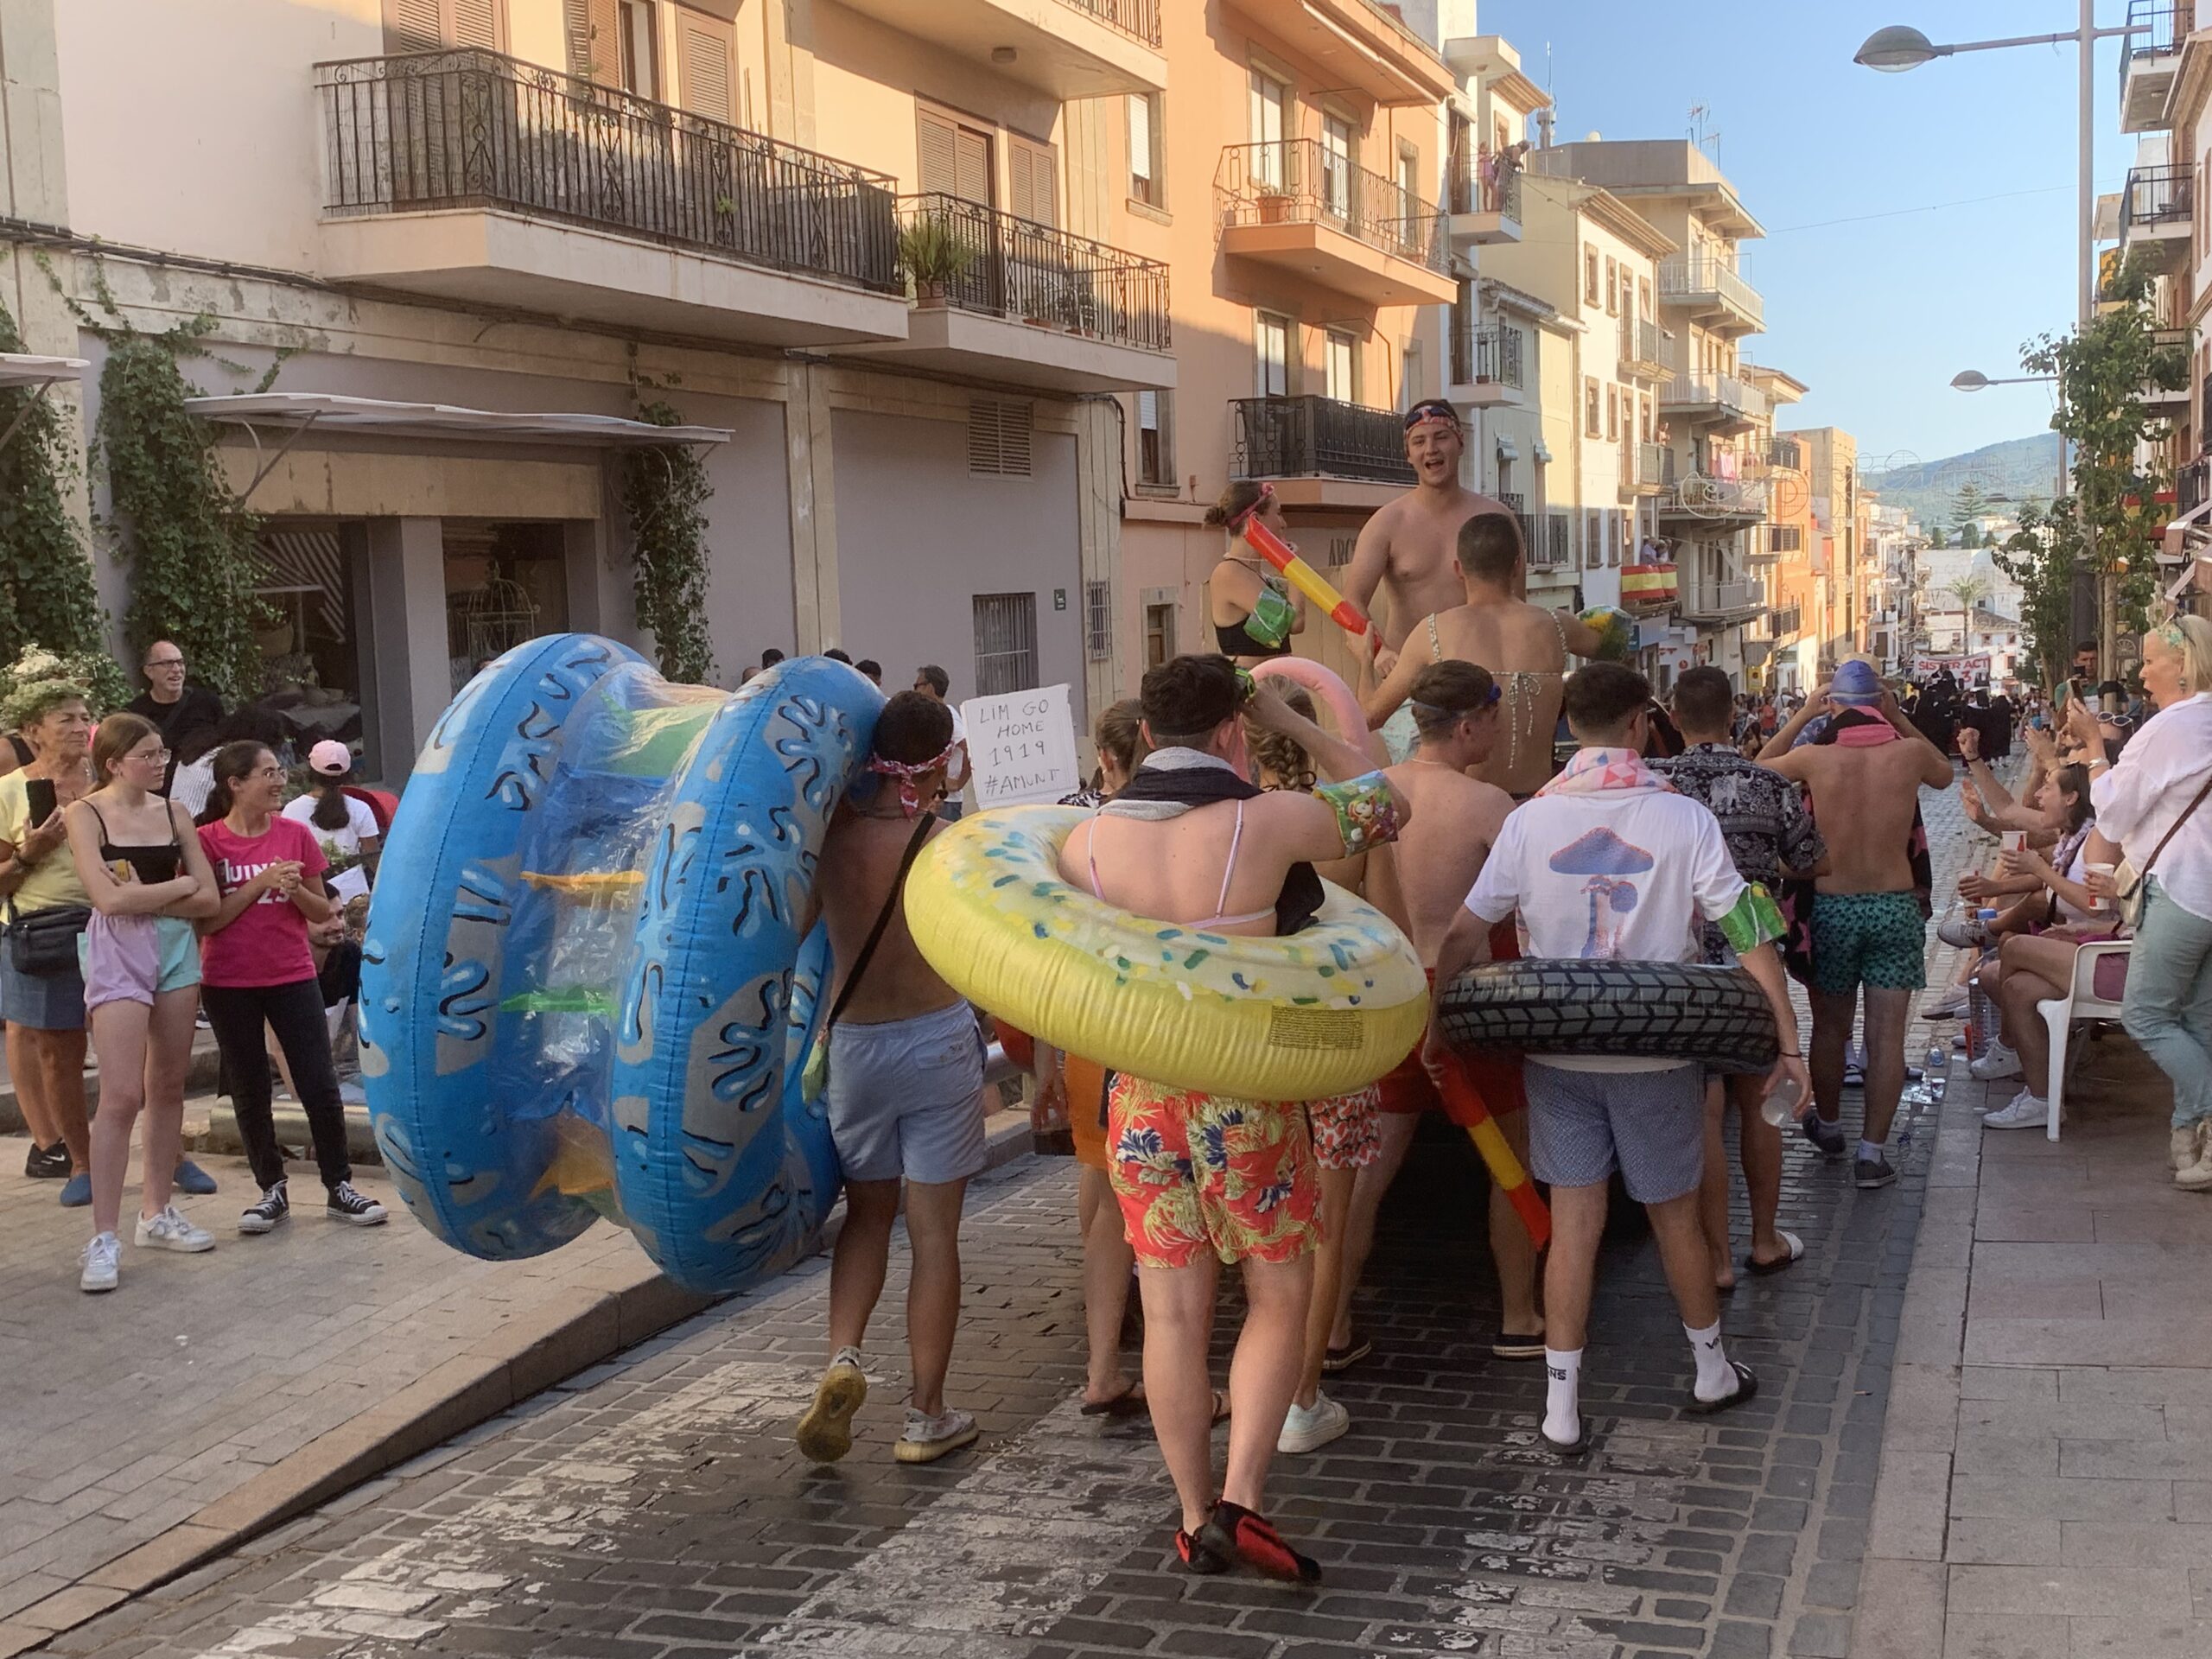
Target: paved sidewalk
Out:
[209,1390]
[2046,1483]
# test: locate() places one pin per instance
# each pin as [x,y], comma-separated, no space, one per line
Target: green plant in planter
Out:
[46,595]
[933,255]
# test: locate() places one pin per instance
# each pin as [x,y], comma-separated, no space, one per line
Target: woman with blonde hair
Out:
[141,867]
[2151,803]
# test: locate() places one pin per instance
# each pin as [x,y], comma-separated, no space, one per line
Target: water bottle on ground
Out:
[1937,1075]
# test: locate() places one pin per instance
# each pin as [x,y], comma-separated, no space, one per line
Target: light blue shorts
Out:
[906,1097]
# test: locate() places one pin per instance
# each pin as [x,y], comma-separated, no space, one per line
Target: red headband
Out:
[1236,520]
[906,772]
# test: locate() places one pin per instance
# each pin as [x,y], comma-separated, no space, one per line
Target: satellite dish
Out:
[1591,137]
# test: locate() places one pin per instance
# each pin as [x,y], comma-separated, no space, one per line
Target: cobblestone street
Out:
[656,1505]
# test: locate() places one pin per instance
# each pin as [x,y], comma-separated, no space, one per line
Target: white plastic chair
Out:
[2080,1002]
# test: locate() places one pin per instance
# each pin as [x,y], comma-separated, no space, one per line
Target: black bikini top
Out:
[152,864]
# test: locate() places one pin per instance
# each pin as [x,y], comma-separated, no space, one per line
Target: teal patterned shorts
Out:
[1874,939]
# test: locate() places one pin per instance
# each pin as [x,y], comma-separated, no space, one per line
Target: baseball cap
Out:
[1856,683]
[330,758]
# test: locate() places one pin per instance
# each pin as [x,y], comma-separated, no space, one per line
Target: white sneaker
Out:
[1309,1429]
[1949,1006]
[101,1262]
[169,1230]
[1964,935]
[1996,1065]
[2025,1111]
[2185,1145]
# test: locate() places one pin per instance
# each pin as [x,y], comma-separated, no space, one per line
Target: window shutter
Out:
[594,31]
[935,149]
[411,25]
[1034,180]
[476,22]
[971,158]
[702,54]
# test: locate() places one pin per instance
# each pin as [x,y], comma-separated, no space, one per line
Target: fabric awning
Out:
[329,411]
[23,369]
[2174,542]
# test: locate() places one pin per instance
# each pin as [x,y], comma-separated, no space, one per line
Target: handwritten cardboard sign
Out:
[1022,747]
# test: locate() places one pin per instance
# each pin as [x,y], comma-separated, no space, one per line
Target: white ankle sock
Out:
[1563,1395]
[1716,1377]
[1869,1150]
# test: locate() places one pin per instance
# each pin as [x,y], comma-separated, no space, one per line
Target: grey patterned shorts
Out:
[1649,1125]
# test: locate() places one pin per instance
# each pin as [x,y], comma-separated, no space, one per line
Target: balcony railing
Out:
[1137,18]
[1685,278]
[2155,195]
[1017,268]
[2193,485]
[2165,24]
[1724,392]
[1722,598]
[1484,353]
[429,130]
[1698,496]
[1786,453]
[1643,342]
[1485,187]
[1302,182]
[1302,438]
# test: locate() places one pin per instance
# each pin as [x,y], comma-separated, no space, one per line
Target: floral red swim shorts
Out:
[1197,1172]
[1347,1129]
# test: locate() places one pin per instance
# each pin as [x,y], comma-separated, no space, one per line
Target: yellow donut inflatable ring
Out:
[1323,1011]
[1330,690]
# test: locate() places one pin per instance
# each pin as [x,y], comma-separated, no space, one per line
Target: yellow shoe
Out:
[825,1433]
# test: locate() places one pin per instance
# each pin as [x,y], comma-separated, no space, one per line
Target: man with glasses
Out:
[934,683]
[177,709]
[1409,547]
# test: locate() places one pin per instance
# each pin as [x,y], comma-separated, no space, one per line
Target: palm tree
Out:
[1970,587]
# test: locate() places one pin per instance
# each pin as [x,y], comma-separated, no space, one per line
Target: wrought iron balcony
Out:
[423,131]
[1305,437]
[1017,268]
[1486,354]
[2156,208]
[1699,497]
[1302,182]
[1726,398]
[1786,453]
[2149,58]
[1709,287]
[1137,18]
[2193,484]
[1647,350]
[1722,600]
[1483,198]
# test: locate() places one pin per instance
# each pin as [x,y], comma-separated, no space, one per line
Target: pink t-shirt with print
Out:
[268,943]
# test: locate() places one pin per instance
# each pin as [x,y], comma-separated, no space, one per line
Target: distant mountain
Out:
[2018,468]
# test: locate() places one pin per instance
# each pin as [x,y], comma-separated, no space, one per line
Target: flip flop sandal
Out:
[1343,1359]
[1780,1263]
[1220,1406]
[1129,1402]
[1565,1453]
[1746,1387]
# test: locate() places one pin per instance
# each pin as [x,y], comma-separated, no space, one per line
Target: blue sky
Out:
[1876,313]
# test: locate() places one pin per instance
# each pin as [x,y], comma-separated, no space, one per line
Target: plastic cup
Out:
[2099,901]
[2013,841]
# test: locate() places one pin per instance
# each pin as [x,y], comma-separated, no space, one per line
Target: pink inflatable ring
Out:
[1330,690]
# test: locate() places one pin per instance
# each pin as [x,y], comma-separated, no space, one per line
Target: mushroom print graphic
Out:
[1609,862]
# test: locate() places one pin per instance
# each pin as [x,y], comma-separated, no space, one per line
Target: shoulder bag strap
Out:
[2173,830]
[882,921]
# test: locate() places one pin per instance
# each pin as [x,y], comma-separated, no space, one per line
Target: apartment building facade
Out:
[1290,178]
[2160,217]
[1829,629]
[468,236]
[1710,414]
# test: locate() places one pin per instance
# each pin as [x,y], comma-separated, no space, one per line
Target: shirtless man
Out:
[1420,883]
[904,1095]
[1865,771]
[1203,1180]
[1406,547]
[1524,646]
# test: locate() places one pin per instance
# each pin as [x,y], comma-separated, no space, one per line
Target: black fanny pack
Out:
[44,944]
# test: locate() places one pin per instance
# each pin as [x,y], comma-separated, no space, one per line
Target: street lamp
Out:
[1975,380]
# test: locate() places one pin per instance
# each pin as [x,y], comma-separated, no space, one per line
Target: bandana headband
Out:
[1432,709]
[1238,520]
[1422,414]
[910,800]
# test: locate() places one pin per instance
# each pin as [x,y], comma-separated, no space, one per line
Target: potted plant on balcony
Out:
[933,257]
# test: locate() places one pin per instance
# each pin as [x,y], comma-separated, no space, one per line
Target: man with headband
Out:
[905,1092]
[1407,547]
[1203,1180]
[1865,771]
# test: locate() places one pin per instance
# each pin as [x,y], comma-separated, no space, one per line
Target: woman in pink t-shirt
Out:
[257,967]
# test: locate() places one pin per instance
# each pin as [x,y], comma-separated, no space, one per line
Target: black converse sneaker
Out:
[262,1217]
[347,1204]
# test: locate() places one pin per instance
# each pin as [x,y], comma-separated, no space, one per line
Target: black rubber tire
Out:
[1625,1010]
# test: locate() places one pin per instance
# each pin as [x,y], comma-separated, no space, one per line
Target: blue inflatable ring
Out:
[584,991]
